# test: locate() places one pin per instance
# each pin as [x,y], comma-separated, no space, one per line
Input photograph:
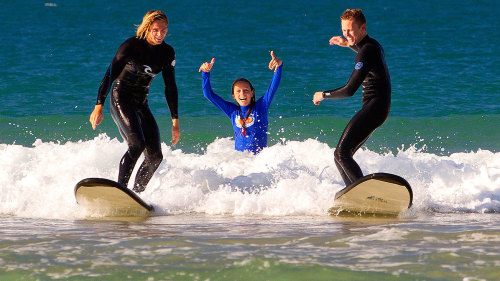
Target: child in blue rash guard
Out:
[248,117]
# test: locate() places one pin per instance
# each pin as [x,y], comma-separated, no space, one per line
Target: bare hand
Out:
[275,62]
[96,116]
[205,67]
[339,40]
[176,132]
[318,97]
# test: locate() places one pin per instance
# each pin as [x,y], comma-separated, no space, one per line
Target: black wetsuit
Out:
[132,70]
[370,71]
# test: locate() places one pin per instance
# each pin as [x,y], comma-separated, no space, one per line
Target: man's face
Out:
[352,32]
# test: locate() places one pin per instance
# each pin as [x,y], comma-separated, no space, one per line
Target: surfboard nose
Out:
[107,198]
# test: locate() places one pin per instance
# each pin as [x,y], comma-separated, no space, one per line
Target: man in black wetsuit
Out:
[138,60]
[370,70]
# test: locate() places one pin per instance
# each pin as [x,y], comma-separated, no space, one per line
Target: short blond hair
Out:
[148,19]
[354,14]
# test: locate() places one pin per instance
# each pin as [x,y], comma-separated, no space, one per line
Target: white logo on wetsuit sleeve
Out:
[173,63]
[358,66]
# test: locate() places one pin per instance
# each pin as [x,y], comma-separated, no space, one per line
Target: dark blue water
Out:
[441,63]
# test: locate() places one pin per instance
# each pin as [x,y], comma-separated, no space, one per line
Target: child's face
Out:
[243,93]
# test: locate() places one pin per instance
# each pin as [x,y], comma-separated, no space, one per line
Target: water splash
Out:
[290,178]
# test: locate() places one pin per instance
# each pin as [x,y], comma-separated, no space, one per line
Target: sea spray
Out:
[290,178]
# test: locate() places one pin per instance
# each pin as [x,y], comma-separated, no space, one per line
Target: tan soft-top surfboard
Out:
[107,198]
[379,193]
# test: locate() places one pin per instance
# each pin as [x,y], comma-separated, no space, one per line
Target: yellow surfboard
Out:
[107,198]
[377,194]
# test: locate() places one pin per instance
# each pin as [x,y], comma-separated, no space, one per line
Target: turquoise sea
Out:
[227,215]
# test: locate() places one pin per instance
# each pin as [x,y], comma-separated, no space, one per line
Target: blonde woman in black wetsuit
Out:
[371,71]
[138,60]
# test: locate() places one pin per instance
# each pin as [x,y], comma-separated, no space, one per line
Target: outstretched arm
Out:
[220,103]
[335,40]
[362,66]
[275,64]
[348,90]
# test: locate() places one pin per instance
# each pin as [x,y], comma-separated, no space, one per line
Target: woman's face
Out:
[243,93]
[157,32]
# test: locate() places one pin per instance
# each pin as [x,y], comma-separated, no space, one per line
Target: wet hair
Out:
[354,14]
[148,19]
[243,80]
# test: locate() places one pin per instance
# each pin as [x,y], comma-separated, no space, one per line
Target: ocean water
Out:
[227,215]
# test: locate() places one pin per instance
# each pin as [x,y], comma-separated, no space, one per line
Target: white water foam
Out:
[293,178]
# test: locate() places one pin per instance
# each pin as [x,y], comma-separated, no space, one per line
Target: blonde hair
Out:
[148,19]
[354,14]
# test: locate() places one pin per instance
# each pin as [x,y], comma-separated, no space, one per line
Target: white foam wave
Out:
[293,178]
